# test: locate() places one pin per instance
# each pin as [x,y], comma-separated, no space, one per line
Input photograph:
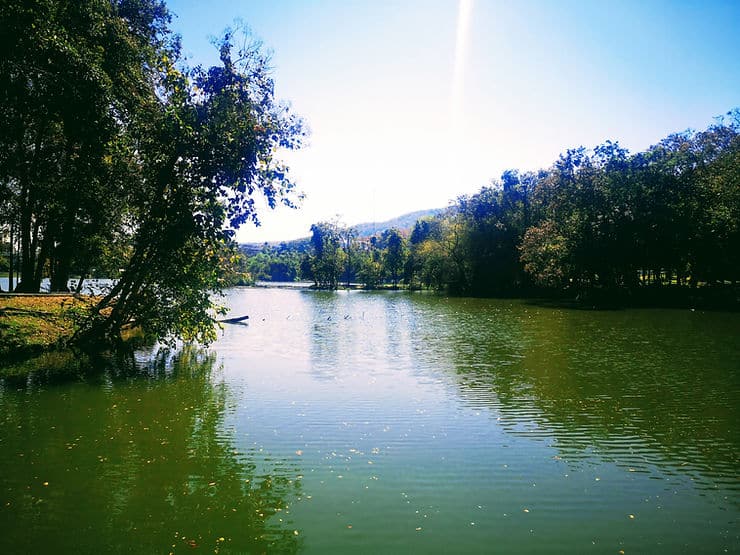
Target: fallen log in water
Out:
[238,320]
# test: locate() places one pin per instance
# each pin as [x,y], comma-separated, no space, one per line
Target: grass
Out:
[35,323]
[35,331]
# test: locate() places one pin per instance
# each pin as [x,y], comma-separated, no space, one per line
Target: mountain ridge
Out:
[364,229]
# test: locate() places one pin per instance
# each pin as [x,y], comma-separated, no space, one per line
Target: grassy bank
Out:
[35,323]
[35,333]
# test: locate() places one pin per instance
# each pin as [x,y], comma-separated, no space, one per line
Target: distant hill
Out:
[405,221]
[368,229]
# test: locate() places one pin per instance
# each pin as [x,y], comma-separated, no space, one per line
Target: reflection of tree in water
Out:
[357,329]
[141,465]
[641,389]
[327,310]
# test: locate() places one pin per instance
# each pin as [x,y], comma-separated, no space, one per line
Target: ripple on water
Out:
[401,423]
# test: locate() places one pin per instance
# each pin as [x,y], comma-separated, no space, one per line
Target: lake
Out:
[89,286]
[382,422]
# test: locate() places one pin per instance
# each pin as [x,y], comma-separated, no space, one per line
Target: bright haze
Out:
[413,103]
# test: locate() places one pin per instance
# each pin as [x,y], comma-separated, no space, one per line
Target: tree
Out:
[370,266]
[97,105]
[395,254]
[327,258]
[71,77]
[275,265]
[544,253]
[204,149]
[716,252]
[424,230]
[493,223]
[597,219]
[348,236]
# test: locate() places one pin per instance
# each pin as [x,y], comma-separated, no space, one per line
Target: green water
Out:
[388,423]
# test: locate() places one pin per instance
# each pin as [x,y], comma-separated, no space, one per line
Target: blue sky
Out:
[412,103]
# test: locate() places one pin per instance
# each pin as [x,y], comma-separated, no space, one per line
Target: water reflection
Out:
[142,464]
[388,423]
[640,388]
[327,342]
[356,331]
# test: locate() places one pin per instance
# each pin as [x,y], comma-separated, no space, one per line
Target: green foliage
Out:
[338,255]
[544,252]
[116,157]
[598,218]
[370,271]
[327,260]
[234,267]
[73,78]
[275,264]
[12,337]
[395,254]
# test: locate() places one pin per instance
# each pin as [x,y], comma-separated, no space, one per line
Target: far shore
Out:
[36,323]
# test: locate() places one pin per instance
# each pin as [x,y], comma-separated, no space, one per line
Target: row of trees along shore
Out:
[599,220]
[116,156]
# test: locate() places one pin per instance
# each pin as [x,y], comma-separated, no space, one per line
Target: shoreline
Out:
[725,298]
[34,325]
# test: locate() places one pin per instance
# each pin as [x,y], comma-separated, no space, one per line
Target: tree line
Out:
[334,256]
[116,157]
[598,219]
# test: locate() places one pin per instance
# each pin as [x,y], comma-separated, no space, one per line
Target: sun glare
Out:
[464,11]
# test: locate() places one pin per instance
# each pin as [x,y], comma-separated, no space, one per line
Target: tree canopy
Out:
[599,219]
[114,152]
